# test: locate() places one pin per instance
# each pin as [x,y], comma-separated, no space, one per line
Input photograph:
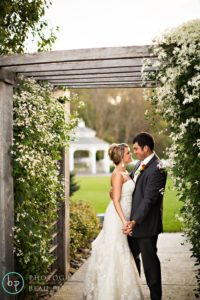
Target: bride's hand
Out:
[125,226]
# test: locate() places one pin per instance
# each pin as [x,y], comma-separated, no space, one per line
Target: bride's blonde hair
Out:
[116,152]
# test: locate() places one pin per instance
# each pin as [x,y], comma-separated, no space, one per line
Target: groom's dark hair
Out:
[144,139]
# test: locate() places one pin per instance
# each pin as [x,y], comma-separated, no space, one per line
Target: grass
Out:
[95,190]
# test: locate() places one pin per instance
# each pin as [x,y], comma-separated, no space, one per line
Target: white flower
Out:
[179,218]
[161,191]
[164,164]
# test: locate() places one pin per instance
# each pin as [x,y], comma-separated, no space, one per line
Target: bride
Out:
[112,273]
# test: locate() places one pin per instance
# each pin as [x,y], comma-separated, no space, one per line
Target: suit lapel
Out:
[147,165]
[152,160]
[135,169]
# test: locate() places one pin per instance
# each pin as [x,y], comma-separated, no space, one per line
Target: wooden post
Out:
[63,259]
[6,180]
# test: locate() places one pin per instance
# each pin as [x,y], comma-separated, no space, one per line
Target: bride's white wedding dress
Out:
[112,273]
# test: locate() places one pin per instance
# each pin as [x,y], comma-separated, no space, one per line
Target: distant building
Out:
[86,140]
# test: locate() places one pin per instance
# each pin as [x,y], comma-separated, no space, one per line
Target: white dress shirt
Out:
[147,159]
[143,162]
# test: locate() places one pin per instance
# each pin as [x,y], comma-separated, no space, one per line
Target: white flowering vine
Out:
[40,134]
[177,98]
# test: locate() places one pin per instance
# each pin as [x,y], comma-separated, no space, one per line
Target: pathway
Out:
[178,272]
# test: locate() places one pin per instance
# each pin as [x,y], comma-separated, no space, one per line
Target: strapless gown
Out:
[112,273]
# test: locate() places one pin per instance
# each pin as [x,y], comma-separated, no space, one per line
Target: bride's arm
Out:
[117,182]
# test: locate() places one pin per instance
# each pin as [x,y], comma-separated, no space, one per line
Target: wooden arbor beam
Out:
[78,65]
[6,179]
[91,54]
[82,72]
[63,255]
[7,76]
[88,76]
[95,63]
[103,86]
[97,80]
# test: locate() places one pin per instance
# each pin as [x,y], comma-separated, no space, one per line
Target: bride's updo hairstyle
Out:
[116,152]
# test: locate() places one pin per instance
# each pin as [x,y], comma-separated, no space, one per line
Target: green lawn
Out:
[94,189]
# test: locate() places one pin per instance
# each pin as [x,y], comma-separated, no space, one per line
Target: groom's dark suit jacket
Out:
[148,198]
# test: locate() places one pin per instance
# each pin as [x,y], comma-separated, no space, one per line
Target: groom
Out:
[146,213]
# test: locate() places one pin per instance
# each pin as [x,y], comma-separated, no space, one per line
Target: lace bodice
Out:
[126,197]
[127,189]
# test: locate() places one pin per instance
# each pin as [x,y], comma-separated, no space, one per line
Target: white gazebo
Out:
[86,140]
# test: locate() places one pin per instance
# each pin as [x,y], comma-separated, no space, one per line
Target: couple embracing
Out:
[132,222]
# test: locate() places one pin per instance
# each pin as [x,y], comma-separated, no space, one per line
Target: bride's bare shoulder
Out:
[116,177]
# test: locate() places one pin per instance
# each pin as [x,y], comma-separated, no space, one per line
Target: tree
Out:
[74,186]
[118,114]
[20,20]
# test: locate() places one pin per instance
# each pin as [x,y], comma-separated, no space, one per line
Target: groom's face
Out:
[139,152]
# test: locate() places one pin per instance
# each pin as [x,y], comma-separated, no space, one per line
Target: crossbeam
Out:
[94,67]
[75,55]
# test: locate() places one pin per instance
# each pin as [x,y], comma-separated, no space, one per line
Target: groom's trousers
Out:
[151,264]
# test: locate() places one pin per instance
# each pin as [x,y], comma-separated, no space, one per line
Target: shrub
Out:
[84,226]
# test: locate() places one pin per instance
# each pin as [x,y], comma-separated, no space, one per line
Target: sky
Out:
[110,23]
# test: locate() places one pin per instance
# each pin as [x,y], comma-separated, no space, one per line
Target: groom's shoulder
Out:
[154,165]
[157,160]
[157,166]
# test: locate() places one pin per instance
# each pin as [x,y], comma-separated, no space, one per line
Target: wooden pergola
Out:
[85,68]
[115,67]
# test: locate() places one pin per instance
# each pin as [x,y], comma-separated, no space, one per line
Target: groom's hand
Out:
[127,231]
[129,227]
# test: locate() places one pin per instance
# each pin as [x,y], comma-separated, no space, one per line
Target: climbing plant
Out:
[40,133]
[177,98]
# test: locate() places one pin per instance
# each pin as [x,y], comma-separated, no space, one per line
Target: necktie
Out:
[138,171]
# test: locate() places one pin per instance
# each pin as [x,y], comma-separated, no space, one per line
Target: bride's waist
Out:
[122,201]
[125,205]
[125,202]
[126,197]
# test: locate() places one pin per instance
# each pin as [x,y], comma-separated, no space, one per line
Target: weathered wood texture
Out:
[110,86]
[99,65]
[78,65]
[62,238]
[7,76]
[87,76]
[6,184]
[75,55]
[87,71]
